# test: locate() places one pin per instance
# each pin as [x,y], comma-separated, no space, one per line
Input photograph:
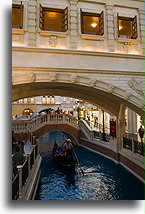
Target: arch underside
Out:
[103,99]
[75,140]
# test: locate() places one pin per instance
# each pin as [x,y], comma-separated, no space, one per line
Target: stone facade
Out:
[103,70]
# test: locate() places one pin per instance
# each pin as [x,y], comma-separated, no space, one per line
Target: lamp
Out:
[94,25]
[120,27]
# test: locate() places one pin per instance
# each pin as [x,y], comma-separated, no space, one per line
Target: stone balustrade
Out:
[38,121]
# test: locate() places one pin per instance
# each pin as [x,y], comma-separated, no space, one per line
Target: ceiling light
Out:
[120,27]
[93,25]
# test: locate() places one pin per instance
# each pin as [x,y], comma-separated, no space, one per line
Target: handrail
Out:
[134,146]
[23,173]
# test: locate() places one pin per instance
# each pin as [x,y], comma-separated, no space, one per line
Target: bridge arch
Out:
[70,130]
[61,136]
[108,97]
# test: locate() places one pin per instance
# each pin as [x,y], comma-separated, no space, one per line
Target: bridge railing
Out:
[91,133]
[39,120]
[133,145]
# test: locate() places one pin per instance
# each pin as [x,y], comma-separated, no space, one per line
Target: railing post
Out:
[28,158]
[63,118]
[34,146]
[20,180]
[33,141]
[31,137]
[132,146]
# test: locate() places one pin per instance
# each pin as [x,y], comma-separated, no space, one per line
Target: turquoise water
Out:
[102,179]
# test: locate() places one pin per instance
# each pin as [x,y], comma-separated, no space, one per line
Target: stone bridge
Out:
[40,125]
[105,79]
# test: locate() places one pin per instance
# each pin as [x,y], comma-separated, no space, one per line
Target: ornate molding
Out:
[110,88]
[137,86]
[53,40]
[74,78]
[53,77]
[79,80]
[32,77]
[93,82]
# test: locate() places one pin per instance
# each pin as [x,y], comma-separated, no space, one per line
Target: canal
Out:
[103,179]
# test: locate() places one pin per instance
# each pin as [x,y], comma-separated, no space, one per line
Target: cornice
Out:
[75,52]
[16,69]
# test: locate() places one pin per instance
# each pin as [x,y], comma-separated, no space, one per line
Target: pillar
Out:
[32,23]
[132,122]
[110,27]
[120,127]
[73,24]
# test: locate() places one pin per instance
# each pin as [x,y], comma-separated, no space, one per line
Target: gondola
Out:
[63,159]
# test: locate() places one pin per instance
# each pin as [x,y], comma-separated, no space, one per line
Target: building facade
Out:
[89,50]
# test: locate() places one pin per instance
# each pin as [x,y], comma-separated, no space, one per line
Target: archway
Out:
[109,101]
[47,140]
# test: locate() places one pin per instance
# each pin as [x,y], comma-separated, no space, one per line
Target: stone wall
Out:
[132,166]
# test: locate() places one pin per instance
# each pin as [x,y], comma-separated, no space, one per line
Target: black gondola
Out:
[62,158]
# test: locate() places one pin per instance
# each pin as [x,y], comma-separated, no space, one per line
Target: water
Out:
[102,180]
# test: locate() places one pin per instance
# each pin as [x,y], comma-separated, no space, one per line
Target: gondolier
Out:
[68,147]
[63,156]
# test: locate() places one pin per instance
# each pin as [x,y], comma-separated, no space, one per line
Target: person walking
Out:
[141,133]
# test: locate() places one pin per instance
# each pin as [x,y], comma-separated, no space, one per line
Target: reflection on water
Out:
[102,180]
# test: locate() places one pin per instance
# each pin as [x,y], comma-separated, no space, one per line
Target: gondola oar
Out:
[78,162]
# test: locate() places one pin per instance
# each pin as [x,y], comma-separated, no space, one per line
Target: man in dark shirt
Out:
[17,159]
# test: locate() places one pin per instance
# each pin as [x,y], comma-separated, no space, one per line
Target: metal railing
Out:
[133,145]
[15,187]
[23,173]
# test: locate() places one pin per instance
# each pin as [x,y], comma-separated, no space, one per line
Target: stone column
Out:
[132,122]
[141,28]
[73,24]
[120,127]
[32,23]
[120,133]
[110,27]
